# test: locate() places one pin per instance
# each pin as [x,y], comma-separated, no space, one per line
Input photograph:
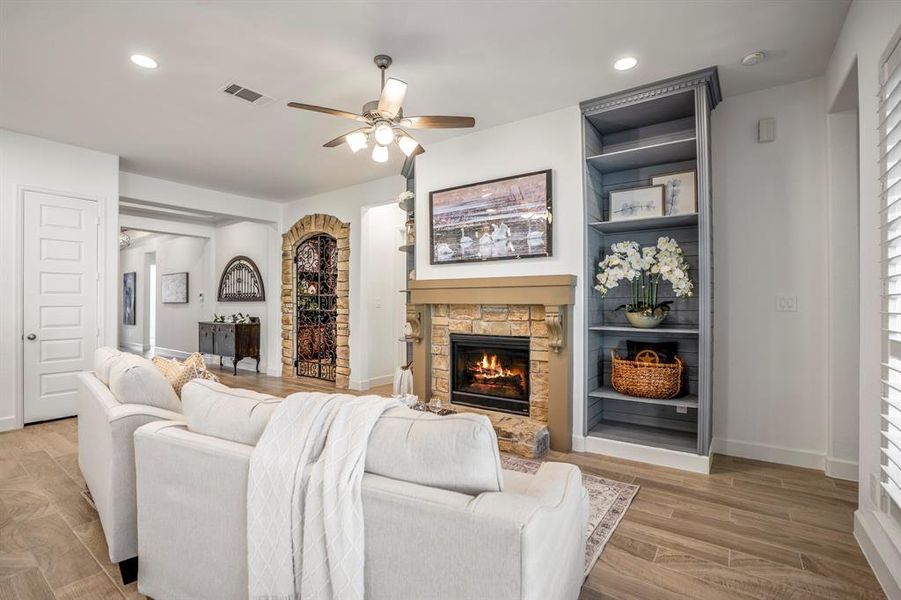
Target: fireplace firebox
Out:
[490,371]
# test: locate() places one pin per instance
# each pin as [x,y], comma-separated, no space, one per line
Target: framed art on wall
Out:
[129,297]
[636,203]
[498,219]
[680,196]
[174,288]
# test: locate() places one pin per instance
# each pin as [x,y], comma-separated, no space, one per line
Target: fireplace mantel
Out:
[553,295]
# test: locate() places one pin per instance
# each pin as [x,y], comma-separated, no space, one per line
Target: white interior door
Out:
[60,300]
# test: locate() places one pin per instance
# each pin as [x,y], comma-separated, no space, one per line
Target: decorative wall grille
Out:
[316,263]
[890,208]
[241,282]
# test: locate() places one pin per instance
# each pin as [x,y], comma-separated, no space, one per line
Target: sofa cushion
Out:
[134,380]
[104,357]
[454,452]
[178,373]
[231,414]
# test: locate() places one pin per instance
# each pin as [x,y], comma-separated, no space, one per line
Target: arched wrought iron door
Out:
[316,266]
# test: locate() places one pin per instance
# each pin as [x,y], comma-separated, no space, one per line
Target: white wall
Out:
[382,272]
[548,141]
[346,204]
[769,239]
[27,161]
[865,36]
[176,324]
[133,260]
[261,243]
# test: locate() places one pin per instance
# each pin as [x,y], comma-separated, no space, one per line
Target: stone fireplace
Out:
[478,346]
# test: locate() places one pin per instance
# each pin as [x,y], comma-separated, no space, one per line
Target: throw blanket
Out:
[304,506]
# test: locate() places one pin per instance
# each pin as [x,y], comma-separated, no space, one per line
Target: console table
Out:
[237,340]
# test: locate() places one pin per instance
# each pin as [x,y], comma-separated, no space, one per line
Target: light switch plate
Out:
[766,130]
[785,303]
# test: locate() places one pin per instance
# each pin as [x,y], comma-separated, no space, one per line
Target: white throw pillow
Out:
[104,357]
[135,380]
[455,452]
[231,414]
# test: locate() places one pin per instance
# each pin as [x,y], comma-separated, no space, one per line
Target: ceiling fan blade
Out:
[392,97]
[435,122]
[329,111]
[343,138]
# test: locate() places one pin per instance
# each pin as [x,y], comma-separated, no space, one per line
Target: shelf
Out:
[645,156]
[407,340]
[404,291]
[407,247]
[682,441]
[645,224]
[609,393]
[637,330]
[644,114]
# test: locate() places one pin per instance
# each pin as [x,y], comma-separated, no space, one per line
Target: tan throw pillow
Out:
[179,373]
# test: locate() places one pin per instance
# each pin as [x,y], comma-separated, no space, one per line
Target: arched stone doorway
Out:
[315,314]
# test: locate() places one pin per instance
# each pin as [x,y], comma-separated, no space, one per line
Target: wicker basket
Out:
[646,377]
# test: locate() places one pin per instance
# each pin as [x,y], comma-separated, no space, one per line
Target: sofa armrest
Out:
[129,411]
[553,486]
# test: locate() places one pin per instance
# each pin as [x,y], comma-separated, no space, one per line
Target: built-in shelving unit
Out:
[409,207]
[628,139]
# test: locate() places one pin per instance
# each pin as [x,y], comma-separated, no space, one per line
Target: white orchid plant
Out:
[643,268]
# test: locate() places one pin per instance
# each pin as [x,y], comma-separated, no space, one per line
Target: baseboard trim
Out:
[768,453]
[879,550]
[647,454]
[9,423]
[842,469]
[361,385]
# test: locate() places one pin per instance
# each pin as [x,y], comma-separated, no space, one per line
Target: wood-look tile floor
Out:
[748,530]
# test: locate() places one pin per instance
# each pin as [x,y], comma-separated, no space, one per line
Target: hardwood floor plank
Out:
[95,587]
[726,498]
[837,520]
[633,546]
[69,464]
[61,556]
[808,581]
[24,498]
[15,554]
[662,538]
[27,585]
[831,569]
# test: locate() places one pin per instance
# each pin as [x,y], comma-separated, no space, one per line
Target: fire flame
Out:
[490,366]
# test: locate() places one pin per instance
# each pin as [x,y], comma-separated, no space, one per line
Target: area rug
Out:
[607,498]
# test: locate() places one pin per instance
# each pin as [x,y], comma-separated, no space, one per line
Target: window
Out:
[889,120]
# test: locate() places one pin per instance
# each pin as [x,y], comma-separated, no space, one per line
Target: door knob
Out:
[31,337]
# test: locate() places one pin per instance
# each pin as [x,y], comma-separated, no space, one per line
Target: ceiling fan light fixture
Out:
[357,140]
[384,134]
[380,153]
[407,145]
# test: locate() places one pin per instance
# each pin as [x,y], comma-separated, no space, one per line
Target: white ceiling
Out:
[65,73]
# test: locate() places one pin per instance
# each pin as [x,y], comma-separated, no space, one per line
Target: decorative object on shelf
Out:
[646,376]
[384,121]
[643,268]
[174,288]
[665,351]
[412,275]
[406,200]
[680,196]
[129,298]
[636,203]
[498,219]
[217,318]
[413,327]
[241,282]
[239,318]
[124,240]
[410,232]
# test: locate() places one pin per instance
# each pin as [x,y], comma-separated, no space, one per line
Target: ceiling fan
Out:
[384,120]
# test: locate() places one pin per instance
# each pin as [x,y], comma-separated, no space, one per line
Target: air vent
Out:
[239,91]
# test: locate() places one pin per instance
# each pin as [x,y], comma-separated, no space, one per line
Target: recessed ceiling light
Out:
[625,63]
[144,61]
[752,58]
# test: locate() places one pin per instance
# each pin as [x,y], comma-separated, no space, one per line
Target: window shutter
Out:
[890,208]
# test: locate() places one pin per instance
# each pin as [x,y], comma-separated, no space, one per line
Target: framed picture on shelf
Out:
[680,194]
[492,220]
[174,288]
[636,203]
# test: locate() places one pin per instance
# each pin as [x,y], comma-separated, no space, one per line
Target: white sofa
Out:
[442,520]
[106,426]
